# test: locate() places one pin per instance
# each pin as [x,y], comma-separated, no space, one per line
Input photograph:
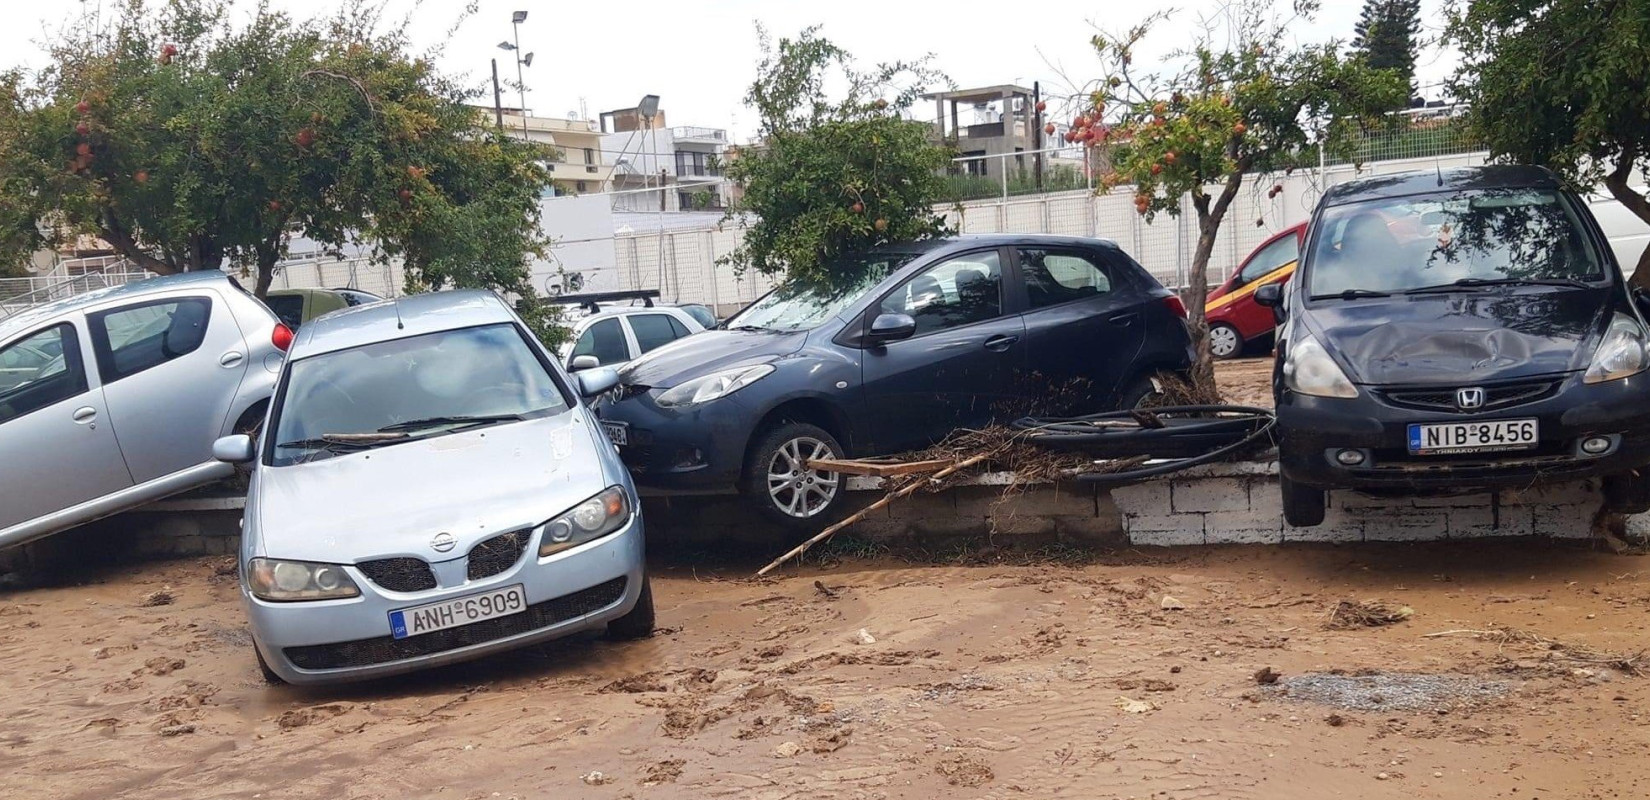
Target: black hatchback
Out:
[936,336]
[1458,330]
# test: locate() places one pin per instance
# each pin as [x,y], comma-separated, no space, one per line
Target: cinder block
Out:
[1472,523]
[1023,523]
[881,527]
[1092,531]
[1638,526]
[1411,527]
[1453,501]
[1069,500]
[1242,527]
[1339,525]
[1210,494]
[1554,494]
[1165,530]
[1562,522]
[949,525]
[1265,498]
[1149,498]
[1350,499]
[923,505]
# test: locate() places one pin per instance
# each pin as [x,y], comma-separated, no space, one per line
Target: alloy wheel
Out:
[796,490]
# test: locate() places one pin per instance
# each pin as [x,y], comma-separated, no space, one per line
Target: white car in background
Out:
[614,337]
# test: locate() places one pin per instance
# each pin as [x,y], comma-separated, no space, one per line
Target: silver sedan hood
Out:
[392,501]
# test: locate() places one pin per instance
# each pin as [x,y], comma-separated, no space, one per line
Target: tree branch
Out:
[111,231]
[365,95]
[1617,182]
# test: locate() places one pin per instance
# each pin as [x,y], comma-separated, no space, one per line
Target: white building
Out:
[679,167]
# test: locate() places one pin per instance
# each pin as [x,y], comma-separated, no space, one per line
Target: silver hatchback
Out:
[113,398]
[431,488]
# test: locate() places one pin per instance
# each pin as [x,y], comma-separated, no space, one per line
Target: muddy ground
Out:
[1246,382]
[1132,674]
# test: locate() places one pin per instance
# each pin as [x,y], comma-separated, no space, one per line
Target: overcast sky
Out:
[699,56]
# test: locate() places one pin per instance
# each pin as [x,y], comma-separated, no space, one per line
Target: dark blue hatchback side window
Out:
[955,292]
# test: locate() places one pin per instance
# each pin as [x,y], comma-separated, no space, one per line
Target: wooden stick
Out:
[883,503]
[878,469]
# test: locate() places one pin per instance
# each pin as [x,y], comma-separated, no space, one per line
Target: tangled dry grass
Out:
[1349,614]
[1634,664]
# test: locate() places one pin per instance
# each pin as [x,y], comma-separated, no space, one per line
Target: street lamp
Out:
[516,19]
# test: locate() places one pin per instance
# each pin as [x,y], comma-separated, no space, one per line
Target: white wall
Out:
[639,149]
[581,228]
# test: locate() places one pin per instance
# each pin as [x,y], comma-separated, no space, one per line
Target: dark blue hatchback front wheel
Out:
[781,480]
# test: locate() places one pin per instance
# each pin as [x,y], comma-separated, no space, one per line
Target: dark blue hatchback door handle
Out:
[1121,319]
[1000,343]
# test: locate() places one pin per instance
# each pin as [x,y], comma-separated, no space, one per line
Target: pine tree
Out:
[1385,35]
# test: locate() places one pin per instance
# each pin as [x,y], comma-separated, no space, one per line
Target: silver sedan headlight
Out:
[282,581]
[588,521]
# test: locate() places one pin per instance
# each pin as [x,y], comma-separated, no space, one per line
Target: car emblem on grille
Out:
[443,542]
[1469,399]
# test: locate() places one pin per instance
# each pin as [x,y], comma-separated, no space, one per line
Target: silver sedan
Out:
[430,489]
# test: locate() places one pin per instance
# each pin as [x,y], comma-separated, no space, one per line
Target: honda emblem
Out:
[1469,399]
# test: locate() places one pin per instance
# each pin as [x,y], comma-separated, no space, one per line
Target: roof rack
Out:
[591,300]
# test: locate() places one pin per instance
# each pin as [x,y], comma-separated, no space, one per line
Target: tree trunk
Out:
[1209,217]
[266,271]
[1197,323]
[1634,202]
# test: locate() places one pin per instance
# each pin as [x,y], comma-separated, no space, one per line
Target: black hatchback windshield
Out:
[403,389]
[1465,239]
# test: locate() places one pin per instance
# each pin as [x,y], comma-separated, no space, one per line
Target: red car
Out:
[1235,319]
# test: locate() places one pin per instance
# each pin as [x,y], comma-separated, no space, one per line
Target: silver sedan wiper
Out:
[344,442]
[462,420]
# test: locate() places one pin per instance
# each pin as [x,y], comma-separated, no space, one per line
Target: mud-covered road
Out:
[972,680]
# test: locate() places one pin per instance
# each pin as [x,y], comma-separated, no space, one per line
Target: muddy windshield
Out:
[798,306]
[1451,240]
[389,392]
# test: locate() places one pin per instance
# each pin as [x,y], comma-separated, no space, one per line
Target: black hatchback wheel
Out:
[1628,493]
[782,484]
[1303,506]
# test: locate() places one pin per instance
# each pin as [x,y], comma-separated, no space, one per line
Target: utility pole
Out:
[498,107]
[1037,132]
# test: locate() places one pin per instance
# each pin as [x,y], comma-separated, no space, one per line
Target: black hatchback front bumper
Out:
[1313,431]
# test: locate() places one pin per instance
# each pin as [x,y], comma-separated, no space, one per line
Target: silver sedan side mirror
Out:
[597,380]
[237,449]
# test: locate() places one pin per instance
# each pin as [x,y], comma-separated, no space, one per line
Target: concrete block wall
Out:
[1233,503]
[1239,503]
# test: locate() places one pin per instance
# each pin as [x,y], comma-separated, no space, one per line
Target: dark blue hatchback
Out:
[938,336]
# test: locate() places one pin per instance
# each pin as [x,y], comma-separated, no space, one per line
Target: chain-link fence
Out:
[655,238]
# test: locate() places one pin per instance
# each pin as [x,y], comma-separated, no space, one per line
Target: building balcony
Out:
[695,134]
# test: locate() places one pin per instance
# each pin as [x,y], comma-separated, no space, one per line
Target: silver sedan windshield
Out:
[392,391]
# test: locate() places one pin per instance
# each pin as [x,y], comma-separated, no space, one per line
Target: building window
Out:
[589,155]
[580,186]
